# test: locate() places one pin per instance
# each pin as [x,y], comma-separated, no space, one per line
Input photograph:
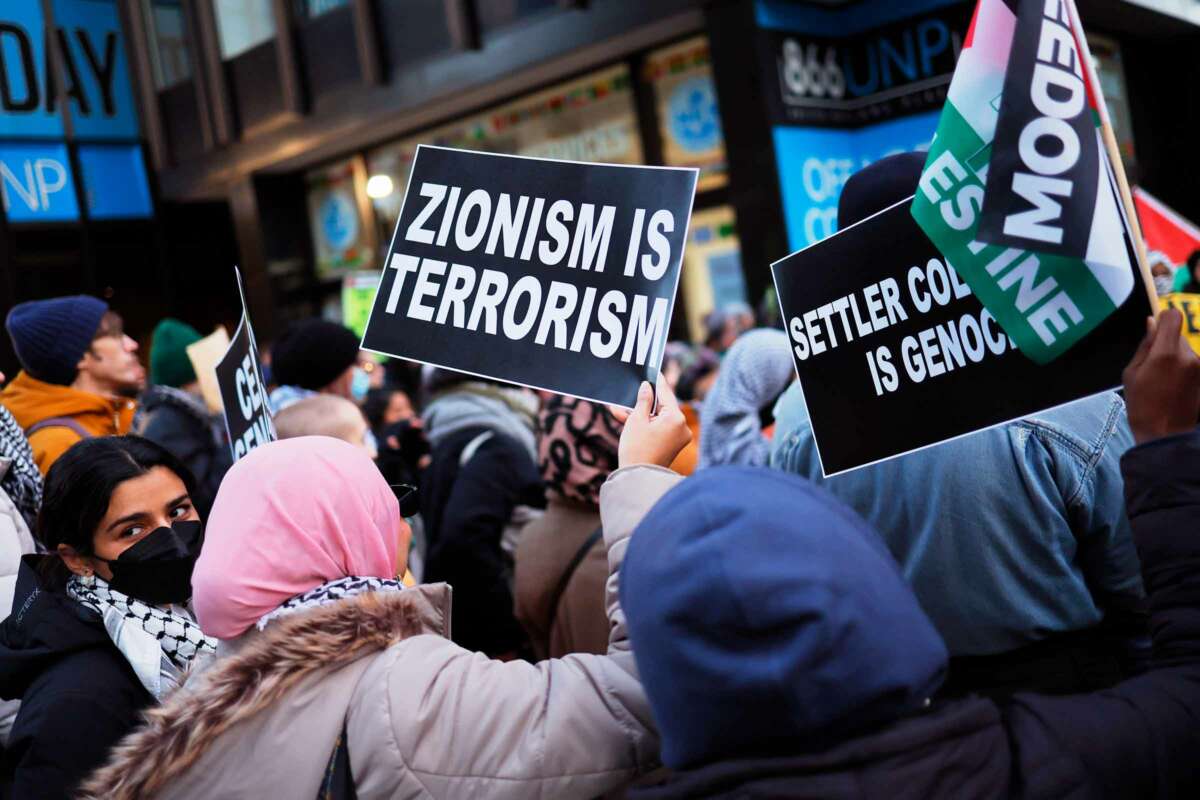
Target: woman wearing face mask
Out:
[323,643]
[100,626]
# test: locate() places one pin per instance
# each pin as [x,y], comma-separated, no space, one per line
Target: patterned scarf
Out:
[330,592]
[22,481]
[577,447]
[160,642]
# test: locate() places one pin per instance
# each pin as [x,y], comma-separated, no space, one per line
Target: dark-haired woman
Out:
[99,628]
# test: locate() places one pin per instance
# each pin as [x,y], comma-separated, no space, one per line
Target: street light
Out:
[379,187]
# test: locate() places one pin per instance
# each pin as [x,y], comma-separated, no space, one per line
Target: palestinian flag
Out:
[1017,193]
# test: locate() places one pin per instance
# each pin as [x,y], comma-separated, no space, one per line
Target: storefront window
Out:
[342,238]
[243,24]
[589,119]
[1109,68]
[712,267]
[308,9]
[495,14]
[168,44]
[688,117]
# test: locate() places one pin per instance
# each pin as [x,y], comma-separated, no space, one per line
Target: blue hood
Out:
[766,617]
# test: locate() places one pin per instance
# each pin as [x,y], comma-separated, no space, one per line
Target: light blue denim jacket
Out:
[1007,536]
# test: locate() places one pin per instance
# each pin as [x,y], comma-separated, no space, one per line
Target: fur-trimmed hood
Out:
[177,734]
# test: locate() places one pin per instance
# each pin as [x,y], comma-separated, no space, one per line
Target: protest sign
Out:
[894,352]
[204,356]
[243,392]
[1189,306]
[556,275]
[1019,172]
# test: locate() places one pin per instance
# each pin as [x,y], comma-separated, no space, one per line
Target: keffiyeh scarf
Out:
[161,643]
[329,592]
[22,481]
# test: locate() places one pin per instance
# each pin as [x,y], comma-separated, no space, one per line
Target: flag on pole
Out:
[1018,192]
[1166,232]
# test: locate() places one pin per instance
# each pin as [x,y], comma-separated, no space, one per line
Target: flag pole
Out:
[1114,157]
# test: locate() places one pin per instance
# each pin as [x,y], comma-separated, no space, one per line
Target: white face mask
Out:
[1164,284]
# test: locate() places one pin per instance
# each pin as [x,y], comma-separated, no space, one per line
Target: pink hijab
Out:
[290,516]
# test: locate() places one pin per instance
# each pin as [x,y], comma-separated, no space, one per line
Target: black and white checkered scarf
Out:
[22,482]
[160,642]
[330,592]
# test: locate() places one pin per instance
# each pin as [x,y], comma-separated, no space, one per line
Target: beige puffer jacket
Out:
[423,717]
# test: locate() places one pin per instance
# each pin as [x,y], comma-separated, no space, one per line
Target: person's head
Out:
[766,618]
[577,447]
[290,516]
[721,330]
[321,356]
[878,186]
[76,341]
[107,502]
[698,379]
[385,407]
[324,415]
[677,356]
[169,362]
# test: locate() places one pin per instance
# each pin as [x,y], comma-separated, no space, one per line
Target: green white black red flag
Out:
[1018,191]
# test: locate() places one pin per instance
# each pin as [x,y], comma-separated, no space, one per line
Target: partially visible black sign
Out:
[552,274]
[1045,167]
[846,81]
[243,393]
[895,354]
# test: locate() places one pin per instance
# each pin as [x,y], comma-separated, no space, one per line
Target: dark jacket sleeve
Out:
[498,477]
[1142,737]
[64,732]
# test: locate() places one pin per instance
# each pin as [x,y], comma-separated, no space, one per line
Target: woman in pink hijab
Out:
[333,680]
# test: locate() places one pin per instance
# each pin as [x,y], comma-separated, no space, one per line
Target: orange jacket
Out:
[32,401]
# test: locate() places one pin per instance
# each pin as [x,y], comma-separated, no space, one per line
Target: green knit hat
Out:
[169,362]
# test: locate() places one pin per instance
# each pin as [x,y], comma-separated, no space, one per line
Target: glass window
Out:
[689,120]
[342,239]
[495,14]
[243,24]
[168,43]
[592,118]
[1106,57]
[307,9]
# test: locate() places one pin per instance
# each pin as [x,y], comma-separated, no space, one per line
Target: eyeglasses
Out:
[406,495]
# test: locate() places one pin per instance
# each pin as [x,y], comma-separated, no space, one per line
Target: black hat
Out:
[882,184]
[312,353]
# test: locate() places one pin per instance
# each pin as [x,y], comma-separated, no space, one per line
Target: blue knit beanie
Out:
[50,336]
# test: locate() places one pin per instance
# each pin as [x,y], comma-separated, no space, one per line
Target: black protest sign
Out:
[1045,168]
[894,353]
[551,274]
[247,414]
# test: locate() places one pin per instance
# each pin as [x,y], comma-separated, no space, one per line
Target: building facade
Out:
[146,146]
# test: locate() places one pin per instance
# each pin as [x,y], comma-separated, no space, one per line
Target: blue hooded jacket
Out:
[766,617]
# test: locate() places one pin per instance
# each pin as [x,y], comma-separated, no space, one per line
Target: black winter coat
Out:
[182,425]
[79,696]
[1139,739]
[466,508]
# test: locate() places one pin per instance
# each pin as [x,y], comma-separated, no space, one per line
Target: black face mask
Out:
[158,569]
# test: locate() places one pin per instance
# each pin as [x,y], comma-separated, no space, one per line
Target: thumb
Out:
[642,407]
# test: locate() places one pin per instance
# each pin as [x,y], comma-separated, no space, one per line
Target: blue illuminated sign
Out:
[36,183]
[114,181]
[36,178]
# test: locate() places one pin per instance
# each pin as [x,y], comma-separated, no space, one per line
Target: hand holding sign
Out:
[650,438]
[1162,382]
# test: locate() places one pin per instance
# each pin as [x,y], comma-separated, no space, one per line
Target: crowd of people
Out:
[668,601]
